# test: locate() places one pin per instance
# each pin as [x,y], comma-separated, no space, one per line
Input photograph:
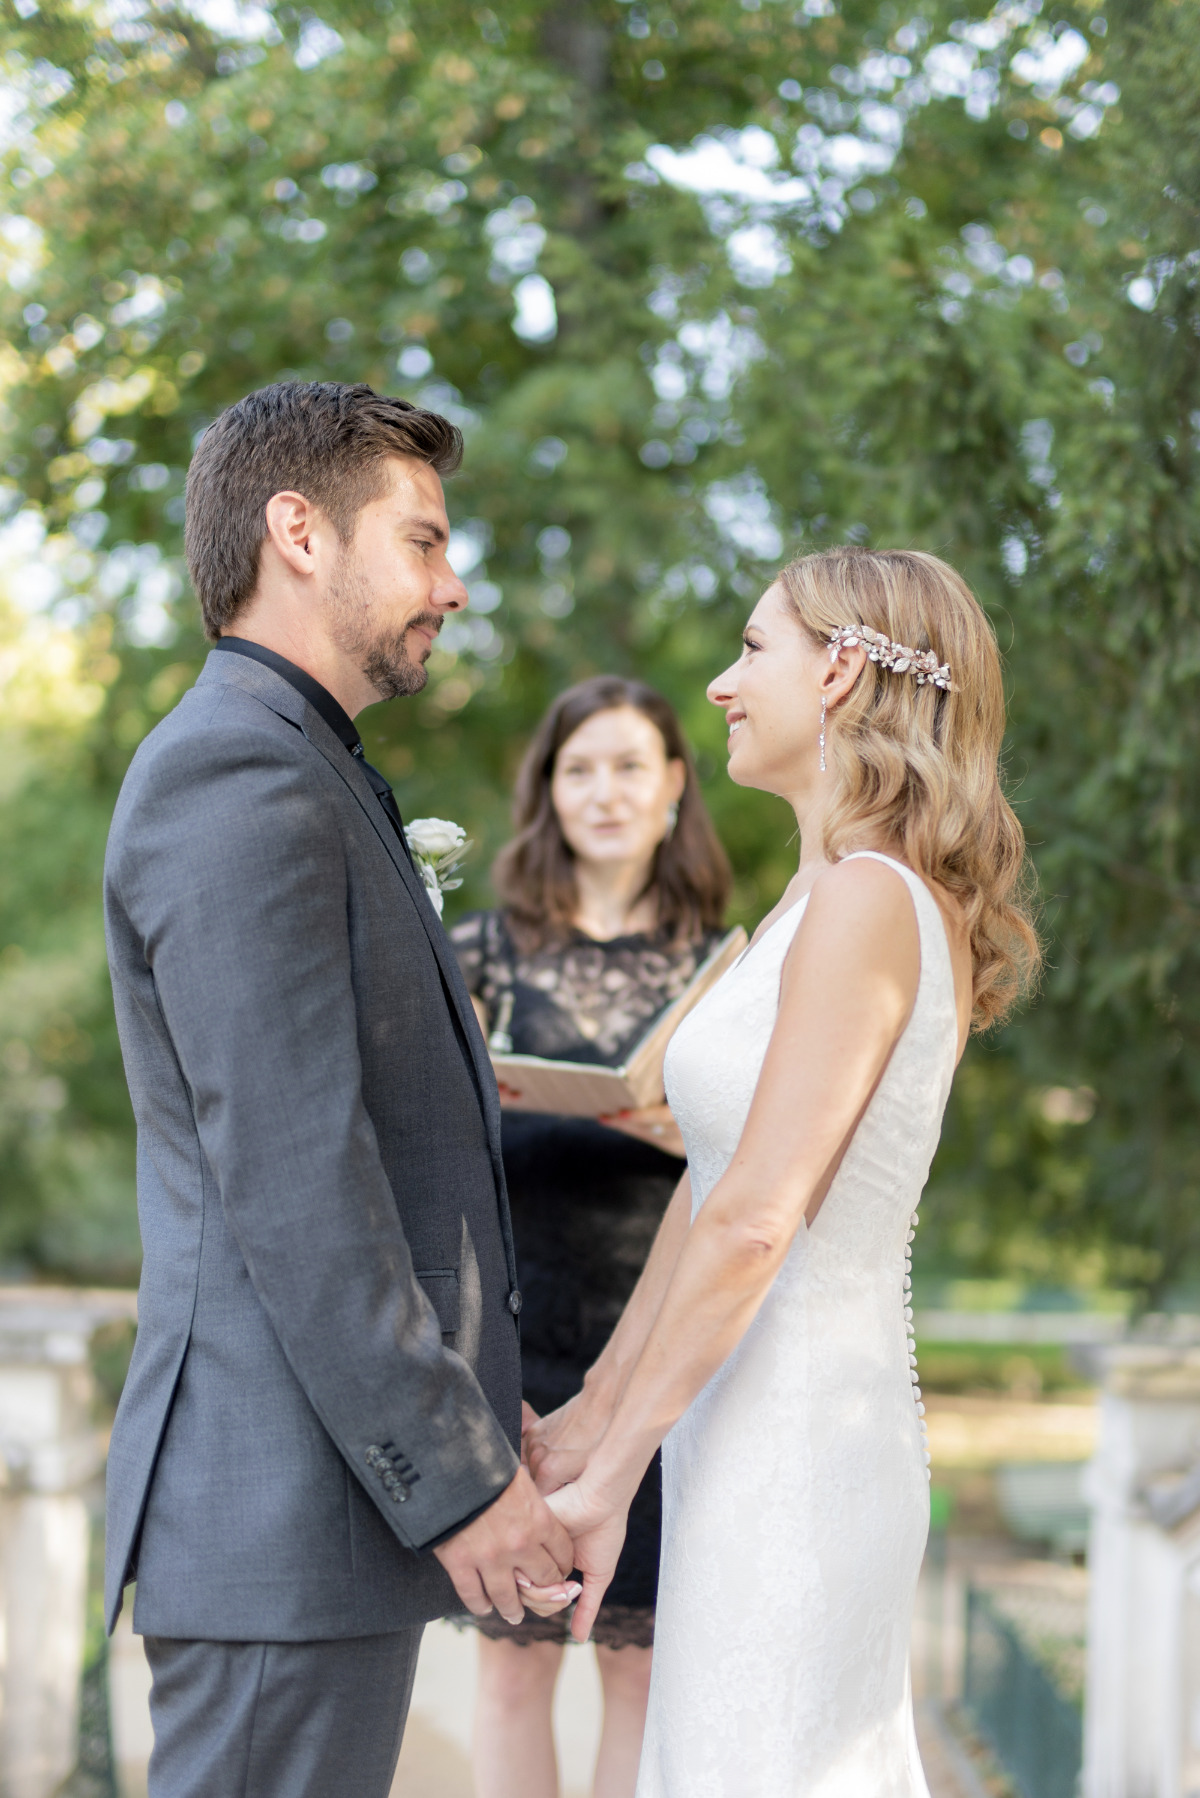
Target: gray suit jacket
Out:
[326,1377]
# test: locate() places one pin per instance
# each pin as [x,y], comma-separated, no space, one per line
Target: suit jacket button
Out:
[515,1301]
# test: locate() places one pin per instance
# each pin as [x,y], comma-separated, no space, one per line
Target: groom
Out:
[316,1450]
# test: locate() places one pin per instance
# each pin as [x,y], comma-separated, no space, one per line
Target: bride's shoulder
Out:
[861,880]
[859,909]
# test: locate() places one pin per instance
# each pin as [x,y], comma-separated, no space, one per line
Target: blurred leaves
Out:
[705,284]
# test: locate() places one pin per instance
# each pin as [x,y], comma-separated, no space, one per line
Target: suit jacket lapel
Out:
[323,739]
[283,698]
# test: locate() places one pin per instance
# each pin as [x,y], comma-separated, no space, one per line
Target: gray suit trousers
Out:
[279,1719]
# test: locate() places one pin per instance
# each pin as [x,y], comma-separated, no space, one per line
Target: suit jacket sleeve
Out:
[233,873]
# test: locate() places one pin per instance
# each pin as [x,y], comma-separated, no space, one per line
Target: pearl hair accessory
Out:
[894,656]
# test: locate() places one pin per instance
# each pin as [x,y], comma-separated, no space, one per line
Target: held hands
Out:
[556,1447]
[518,1552]
[516,1543]
[598,1529]
[597,1525]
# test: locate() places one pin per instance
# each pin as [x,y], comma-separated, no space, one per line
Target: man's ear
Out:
[291,520]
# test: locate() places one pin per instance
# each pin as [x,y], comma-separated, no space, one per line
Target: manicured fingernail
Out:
[573,1590]
[522,1581]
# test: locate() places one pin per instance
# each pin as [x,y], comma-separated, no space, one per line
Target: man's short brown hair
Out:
[323,439]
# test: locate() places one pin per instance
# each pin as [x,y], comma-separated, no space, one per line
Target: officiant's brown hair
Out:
[328,440]
[534,874]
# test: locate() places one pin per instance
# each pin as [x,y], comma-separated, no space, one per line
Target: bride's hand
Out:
[597,1530]
[547,1601]
[556,1447]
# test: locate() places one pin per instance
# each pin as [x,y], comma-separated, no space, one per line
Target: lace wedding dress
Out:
[795,1488]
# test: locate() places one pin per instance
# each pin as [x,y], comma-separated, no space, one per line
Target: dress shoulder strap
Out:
[913,881]
[931,926]
[935,1006]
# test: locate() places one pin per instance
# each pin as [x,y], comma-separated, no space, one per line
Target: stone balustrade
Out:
[1142,1716]
[1143,1701]
[51,1448]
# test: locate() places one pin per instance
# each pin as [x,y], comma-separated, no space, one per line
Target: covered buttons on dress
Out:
[910,1332]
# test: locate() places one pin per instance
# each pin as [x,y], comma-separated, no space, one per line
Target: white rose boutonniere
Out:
[438,846]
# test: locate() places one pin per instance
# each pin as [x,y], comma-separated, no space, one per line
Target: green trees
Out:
[707,283]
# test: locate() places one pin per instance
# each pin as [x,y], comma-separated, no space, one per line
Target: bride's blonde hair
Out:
[918,766]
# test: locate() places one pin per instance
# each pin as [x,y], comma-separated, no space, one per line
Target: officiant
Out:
[613,891]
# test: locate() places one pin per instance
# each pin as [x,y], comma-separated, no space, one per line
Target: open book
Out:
[580,1089]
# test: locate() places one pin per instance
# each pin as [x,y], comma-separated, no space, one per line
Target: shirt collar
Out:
[319,698]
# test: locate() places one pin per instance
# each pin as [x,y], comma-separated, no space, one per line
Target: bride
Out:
[769,1340]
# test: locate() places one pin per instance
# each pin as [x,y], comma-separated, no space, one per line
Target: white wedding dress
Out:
[795,1487]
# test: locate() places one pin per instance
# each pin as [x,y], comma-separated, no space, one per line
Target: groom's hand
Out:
[517,1534]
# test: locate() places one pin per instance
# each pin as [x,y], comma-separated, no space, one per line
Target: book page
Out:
[567,1088]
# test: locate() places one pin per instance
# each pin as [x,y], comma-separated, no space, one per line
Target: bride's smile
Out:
[771,697]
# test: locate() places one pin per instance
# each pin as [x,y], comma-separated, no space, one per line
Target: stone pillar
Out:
[1142,1714]
[129,1706]
[50,1447]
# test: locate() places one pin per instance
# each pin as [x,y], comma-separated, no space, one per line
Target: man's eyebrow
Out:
[430,527]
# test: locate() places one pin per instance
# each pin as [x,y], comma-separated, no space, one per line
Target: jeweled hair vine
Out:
[914,753]
[922,664]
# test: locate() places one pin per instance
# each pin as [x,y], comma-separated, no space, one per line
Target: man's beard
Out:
[382,655]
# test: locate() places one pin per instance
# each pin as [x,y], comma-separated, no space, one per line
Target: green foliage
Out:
[66,1155]
[935,348]
[990,1367]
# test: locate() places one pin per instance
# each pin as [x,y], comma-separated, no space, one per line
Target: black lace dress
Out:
[586,1200]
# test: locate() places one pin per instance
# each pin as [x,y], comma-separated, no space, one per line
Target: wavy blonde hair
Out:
[919,767]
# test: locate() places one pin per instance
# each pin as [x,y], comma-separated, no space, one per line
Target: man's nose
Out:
[449,593]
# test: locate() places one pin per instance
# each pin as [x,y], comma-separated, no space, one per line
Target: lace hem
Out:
[617,1626]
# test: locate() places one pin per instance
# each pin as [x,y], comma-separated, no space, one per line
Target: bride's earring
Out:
[821,738]
[672,821]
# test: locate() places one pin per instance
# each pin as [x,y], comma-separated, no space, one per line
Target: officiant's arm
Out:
[847,990]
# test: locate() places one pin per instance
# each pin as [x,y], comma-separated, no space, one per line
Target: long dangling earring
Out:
[821,738]
[672,821]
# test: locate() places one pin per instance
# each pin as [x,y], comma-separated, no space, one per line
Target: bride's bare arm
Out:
[558,1445]
[847,990]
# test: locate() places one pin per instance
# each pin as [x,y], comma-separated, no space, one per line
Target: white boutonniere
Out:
[438,847]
